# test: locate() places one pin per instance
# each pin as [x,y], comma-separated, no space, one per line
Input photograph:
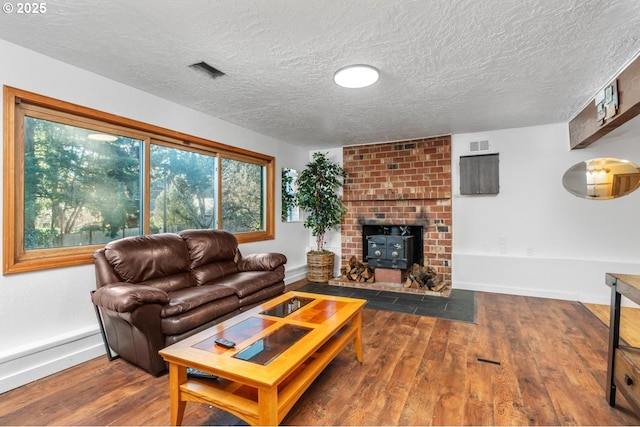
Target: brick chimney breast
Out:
[405,183]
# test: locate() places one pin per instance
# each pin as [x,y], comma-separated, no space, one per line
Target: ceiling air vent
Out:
[207,69]
[479,146]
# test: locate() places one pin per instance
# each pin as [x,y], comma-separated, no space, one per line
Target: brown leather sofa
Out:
[155,290]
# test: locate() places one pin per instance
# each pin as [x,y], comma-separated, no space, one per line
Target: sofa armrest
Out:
[126,297]
[262,262]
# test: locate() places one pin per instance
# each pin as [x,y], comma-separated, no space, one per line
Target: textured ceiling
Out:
[447,66]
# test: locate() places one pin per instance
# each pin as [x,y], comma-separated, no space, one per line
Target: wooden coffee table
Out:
[281,347]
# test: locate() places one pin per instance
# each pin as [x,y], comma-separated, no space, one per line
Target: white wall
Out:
[46,317]
[534,237]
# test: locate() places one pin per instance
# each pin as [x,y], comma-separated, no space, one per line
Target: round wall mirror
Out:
[602,179]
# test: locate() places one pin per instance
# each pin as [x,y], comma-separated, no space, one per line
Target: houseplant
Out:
[317,196]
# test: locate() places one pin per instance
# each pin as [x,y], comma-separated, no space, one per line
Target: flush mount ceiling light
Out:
[356,76]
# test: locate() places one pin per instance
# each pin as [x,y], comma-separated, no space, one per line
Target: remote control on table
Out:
[225,343]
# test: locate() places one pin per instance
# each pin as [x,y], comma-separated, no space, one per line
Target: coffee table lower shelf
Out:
[259,406]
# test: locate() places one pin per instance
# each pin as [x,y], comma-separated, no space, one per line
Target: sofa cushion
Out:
[187,299]
[210,272]
[263,294]
[248,282]
[147,257]
[265,261]
[198,316]
[209,246]
[171,283]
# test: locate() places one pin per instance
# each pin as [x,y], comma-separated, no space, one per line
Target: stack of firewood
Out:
[356,271]
[421,277]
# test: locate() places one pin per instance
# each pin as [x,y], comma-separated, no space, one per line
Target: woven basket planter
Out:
[320,266]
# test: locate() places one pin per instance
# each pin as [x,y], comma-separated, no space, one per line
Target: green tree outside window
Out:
[78,190]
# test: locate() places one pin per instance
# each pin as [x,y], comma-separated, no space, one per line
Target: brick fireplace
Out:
[400,183]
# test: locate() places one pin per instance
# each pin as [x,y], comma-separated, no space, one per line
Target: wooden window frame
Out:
[15,258]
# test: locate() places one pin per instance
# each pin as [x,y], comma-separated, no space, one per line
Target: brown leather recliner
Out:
[155,290]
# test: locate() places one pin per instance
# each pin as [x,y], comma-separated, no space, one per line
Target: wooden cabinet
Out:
[623,364]
[479,174]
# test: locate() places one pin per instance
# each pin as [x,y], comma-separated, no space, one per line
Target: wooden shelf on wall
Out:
[584,129]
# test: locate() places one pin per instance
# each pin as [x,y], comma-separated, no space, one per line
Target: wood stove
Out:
[392,245]
[390,251]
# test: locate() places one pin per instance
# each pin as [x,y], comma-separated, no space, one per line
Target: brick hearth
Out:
[406,183]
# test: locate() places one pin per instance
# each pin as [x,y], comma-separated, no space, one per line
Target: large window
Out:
[80,187]
[243,185]
[76,178]
[183,189]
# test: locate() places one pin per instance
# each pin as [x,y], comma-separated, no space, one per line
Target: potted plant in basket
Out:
[317,186]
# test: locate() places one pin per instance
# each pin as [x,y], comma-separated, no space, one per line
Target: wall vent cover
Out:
[479,146]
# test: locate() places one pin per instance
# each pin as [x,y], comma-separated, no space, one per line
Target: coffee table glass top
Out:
[236,333]
[290,321]
[268,348]
[287,307]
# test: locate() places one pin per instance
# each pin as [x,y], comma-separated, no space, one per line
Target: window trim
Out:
[15,258]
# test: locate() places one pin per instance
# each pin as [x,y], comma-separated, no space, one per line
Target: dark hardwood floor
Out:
[528,361]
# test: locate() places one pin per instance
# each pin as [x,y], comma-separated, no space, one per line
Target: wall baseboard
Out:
[43,359]
[538,293]
[294,274]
